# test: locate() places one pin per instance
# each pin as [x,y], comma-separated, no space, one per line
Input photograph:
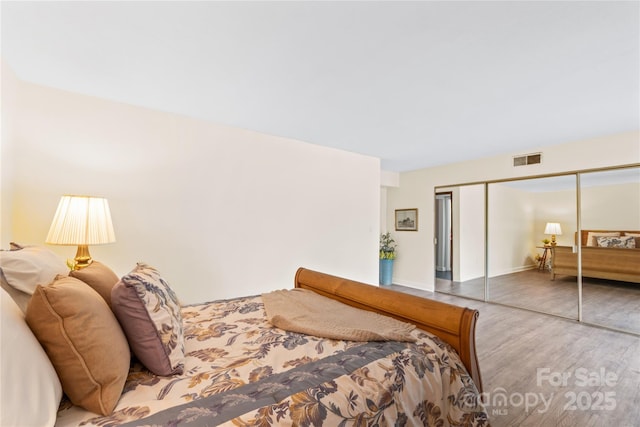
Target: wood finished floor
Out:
[520,350]
[608,303]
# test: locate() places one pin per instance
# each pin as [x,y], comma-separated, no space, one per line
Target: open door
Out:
[444,236]
[460,241]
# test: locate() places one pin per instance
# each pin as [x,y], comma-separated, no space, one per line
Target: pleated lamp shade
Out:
[554,229]
[82,221]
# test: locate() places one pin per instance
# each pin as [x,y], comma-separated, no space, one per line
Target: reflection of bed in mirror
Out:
[606,254]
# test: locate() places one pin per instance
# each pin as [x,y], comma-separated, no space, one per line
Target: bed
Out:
[237,369]
[606,254]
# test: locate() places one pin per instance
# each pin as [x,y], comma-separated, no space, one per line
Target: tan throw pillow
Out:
[83,340]
[100,277]
[593,236]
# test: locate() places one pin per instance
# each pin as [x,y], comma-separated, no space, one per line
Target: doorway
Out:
[444,236]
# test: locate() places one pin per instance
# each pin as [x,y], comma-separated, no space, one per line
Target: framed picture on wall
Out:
[406,219]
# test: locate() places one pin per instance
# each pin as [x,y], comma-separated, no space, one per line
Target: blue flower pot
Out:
[386,272]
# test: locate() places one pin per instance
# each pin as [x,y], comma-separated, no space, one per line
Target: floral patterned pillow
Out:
[636,236]
[627,242]
[149,313]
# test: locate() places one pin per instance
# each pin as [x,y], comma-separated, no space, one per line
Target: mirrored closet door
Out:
[460,236]
[610,213]
[527,219]
[566,245]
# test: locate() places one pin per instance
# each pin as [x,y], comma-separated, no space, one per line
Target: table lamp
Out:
[82,221]
[554,229]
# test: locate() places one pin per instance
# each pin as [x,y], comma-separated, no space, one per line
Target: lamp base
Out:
[83,258]
[553,240]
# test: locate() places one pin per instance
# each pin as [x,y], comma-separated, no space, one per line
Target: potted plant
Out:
[387,255]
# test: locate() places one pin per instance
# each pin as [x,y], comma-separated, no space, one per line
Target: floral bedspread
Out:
[241,371]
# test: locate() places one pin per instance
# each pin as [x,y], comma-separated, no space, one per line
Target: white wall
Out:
[468,205]
[219,211]
[387,179]
[415,264]
[560,207]
[611,207]
[510,230]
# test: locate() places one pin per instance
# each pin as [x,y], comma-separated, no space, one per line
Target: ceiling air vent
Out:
[527,159]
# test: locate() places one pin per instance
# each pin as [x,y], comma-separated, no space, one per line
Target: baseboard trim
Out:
[416,285]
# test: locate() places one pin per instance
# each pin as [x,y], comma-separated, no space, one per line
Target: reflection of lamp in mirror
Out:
[82,221]
[554,229]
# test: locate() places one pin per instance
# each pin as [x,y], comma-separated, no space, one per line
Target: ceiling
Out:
[416,84]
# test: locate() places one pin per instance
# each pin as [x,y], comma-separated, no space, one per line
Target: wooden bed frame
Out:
[598,262]
[454,325]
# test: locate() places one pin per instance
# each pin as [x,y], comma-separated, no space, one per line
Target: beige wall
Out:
[219,211]
[415,263]
[611,207]
[8,88]
[511,229]
[468,206]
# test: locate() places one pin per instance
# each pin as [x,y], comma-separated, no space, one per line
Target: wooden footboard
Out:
[597,262]
[454,325]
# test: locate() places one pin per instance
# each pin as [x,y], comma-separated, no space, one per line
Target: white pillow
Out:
[30,390]
[21,298]
[26,268]
[592,236]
